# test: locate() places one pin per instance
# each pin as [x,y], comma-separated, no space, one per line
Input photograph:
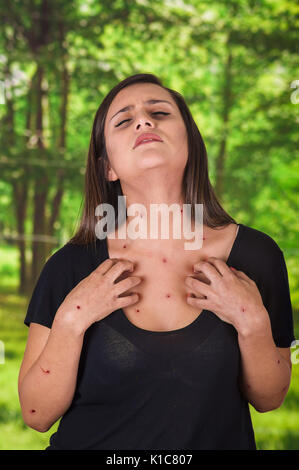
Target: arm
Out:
[235,299]
[265,369]
[48,373]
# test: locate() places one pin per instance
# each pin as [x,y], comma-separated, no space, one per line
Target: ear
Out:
[110,174]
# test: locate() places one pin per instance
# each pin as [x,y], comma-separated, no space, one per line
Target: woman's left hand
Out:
[231,294]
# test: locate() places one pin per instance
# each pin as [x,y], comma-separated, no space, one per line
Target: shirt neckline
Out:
[203,313]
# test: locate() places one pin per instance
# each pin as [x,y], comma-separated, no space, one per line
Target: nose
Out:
[144,121]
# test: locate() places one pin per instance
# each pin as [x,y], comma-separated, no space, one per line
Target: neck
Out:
[159,224]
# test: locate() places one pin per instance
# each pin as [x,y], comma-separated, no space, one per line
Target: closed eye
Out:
[157,112]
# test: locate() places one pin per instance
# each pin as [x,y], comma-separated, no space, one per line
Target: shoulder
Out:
[263,261]
[258,252]
[77,260]
[258,243]
[60,259]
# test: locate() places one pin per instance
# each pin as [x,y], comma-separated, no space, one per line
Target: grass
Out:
[275,430]
[15,435]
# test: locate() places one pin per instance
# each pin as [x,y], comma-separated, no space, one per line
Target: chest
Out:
[120,364]
[162,304]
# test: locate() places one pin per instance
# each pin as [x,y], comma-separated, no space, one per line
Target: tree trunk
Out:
[19,193]
[41,187]
[21,201]
[20,198]
[227,103]
[61,144]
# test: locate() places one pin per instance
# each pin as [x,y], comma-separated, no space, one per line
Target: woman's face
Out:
[123,128]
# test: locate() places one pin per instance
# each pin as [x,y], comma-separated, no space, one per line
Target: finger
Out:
[126,284]
[104,266]
[118,268]
[234,271]
[198,287]
[242,275]
[196,295]
[208,269]
[121,302]
[219,264]
[198,303]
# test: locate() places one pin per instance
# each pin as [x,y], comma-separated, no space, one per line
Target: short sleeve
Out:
[53,285]
[275,293]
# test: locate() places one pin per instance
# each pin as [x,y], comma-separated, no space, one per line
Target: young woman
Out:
[138,343]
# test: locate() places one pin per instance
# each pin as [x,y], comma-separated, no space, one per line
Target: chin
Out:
[151,160]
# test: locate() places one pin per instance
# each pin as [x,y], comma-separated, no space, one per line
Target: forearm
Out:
[47,389]
[266,375]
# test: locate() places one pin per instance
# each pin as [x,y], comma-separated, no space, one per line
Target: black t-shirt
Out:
[155,390]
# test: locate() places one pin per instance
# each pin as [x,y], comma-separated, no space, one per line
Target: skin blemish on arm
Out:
[124,246]
[32,411]
[164,260]
[46,371]
[137,310]
[167,295]
[78,306]
[278,362]
[243,309]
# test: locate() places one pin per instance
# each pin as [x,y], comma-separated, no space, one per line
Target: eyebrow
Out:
[127,108]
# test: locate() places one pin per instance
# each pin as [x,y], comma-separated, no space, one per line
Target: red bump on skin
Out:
[203,238]
[32,411]
[164,260]
[278,362]
[167,295]
[243,309]
[124,246]
[78,306]
[46,371]
[137,310]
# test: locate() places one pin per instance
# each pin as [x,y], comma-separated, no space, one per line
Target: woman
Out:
[142,344]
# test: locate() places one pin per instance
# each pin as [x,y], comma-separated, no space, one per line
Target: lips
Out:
[147,136]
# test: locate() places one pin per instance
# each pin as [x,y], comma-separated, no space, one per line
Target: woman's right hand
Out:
[96,296]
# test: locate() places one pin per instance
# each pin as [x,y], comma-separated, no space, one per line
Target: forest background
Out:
[236,64]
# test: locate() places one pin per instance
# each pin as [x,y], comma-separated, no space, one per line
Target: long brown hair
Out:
[197,188]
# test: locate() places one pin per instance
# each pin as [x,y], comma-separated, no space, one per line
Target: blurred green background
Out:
[236,64]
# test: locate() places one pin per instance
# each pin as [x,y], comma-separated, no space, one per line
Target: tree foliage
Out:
[234,63]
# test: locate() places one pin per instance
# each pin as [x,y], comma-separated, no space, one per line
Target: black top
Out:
[153,390]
